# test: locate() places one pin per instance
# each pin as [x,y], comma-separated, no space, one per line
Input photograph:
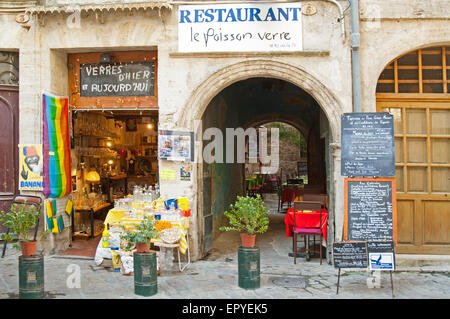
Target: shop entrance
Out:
[255,102]
[112,151]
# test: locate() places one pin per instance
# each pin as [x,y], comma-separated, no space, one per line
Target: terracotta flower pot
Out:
[142,248]
[28,248]
[248,240]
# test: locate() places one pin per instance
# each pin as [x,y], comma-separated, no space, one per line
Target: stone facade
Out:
[322,69]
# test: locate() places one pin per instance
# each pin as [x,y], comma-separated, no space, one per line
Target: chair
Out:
[297,181]
[26,200]
[288,195]
[176,246]
[312,189]
[316,198]
[306,232]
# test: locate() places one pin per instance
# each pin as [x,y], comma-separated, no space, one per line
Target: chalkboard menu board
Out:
[117,79]
[350,255]
[367,147]
[370,209]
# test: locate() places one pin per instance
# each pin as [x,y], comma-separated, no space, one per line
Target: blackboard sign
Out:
[117,79]
[367,145]
[369,209]
[350,255]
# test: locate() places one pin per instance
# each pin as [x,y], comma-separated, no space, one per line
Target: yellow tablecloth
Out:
[116,216]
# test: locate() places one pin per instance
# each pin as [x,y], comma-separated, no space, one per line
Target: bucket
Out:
[145,274]
[31,277]
[249,267]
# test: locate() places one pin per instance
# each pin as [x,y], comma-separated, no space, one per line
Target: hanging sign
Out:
[240,27]
[31,167]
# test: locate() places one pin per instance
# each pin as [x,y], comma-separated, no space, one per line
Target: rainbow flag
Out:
[56,147]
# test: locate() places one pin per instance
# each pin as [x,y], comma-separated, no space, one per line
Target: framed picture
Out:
[131,125]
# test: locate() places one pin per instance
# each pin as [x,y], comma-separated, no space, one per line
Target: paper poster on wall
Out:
[30,167]
[185,173]
[176,146]
[168,175]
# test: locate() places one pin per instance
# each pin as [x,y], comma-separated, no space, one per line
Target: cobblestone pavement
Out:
[219,279]
[216,277]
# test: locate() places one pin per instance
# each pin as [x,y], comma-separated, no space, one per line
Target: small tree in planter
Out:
[249,217]
[144,260]
[145,231]
[20,219]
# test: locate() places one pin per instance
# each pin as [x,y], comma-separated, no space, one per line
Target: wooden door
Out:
[422,155]
[9,110]
[415,89]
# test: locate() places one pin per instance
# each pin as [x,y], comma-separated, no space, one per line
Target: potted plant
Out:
[141,238]
[20,219]
[249,217]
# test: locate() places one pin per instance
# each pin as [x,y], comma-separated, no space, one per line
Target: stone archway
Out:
[205,92]
[214,84]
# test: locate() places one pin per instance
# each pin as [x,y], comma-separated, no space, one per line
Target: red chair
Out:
[287,196]
[306,232]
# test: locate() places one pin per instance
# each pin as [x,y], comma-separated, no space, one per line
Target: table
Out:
[116,216]
[306,220]
[91,211]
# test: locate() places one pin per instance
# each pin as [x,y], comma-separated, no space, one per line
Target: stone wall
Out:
[188,82]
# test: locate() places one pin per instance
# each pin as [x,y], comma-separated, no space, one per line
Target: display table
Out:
[116,217]
[306,219]
[91,211]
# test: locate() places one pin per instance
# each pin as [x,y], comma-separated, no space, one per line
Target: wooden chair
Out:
[296,181]
[312,189]
[26,200]
[288,195]
[306,232]
[316,198]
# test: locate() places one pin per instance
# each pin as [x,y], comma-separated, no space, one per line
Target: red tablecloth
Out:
[306,220]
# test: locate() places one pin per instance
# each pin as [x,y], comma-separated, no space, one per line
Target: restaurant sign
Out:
[240,27]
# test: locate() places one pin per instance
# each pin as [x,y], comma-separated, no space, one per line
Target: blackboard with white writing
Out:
[367,144]
[369,211]
[350,255]
[117,79]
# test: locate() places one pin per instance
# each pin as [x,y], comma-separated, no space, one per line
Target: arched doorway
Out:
[331,107]
[243,105]
[415,89]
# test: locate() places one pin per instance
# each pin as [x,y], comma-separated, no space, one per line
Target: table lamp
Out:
[92,177]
